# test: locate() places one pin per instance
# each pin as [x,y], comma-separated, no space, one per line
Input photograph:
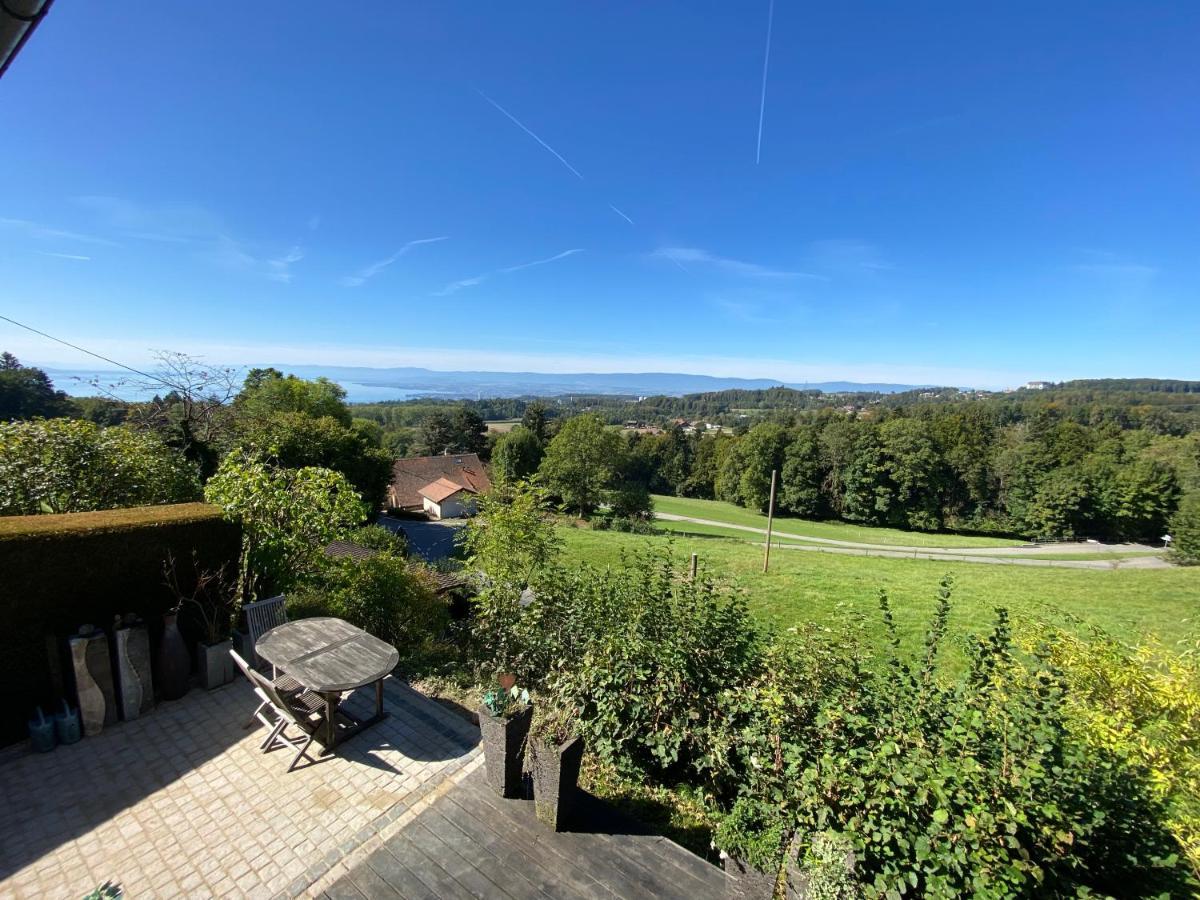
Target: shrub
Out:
[69,465]
[384,595]
[1143,705]
[1185,530]
[946,787]
[288,516]
[377,537]
[642,652]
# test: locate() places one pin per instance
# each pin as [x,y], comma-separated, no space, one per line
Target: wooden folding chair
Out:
[261,617]
[305,710]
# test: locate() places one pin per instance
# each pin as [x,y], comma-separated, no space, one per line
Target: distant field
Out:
[838,531]
[502,426]
[809,586]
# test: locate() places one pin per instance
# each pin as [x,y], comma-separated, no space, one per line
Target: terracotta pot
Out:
[174,661]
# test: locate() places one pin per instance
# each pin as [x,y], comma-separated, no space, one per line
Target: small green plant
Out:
[554,720]
[110,890]
[505,704]
[755,832]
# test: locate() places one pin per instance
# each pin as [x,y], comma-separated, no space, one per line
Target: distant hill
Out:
[519,384]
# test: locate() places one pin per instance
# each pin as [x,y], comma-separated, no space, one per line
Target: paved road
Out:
[1012,556]
[429,540]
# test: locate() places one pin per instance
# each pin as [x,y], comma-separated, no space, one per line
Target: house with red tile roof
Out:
[443,487]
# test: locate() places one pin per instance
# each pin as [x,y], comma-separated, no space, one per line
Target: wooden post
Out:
[695,560]
[770,521]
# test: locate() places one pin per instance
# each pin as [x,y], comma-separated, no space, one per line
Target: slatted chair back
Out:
[261,617]
[265,703]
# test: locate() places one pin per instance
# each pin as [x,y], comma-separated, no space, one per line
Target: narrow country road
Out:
[1010,556]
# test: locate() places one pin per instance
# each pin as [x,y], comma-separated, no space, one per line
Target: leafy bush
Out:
[69,465]
[643,653]
[627,525]
[288,516]
[1142,704]
[377,537]
[385,595]
[1185,530]
[945,787]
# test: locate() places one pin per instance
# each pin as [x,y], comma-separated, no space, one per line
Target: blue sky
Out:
[957,193]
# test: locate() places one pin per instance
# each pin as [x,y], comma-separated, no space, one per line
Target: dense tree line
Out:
[970,467]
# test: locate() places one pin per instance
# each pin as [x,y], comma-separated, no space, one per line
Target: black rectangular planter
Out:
[555,780]
[744,882]
[503,749]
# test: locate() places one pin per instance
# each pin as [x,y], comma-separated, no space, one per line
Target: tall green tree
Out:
[516,455]
[288,516]
[803,474]
[27,392]
[297,440]
[536,419]
[582,462]
[1185,530]
[268,391]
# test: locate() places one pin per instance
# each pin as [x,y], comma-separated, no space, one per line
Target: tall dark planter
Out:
[174,662]
[746,882]
[555,780]
[503,749]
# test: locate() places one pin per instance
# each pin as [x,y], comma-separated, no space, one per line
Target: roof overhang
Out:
[18,20]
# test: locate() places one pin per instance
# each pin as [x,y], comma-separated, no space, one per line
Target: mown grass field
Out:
[718,511]
[1130,604]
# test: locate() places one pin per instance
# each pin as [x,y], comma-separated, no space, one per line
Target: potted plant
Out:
[504,718]
[556,751]
[210,601]
[751,838]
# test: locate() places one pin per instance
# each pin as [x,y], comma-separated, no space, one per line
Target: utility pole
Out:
[770,521]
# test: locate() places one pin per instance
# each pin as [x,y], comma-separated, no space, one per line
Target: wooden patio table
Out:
[330,657]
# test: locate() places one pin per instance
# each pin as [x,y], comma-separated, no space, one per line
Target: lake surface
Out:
[127,386]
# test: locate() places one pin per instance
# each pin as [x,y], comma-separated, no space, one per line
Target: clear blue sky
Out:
[953,192]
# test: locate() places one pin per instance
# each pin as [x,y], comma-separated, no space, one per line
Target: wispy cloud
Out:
[746,311]
[314,222]
[846,256]
[280,269]
[529,132]
[75,256]
[173,222]
[455,286]
[621,214]
[362,276]
[47,232]
[695,255]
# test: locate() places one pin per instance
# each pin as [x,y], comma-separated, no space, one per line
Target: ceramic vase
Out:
[91,698]
[174,662]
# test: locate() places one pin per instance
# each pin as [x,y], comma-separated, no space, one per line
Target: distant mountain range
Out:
[365,384]
[517,384]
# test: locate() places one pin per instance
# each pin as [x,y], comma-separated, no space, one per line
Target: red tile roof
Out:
[443,488]
[410,475]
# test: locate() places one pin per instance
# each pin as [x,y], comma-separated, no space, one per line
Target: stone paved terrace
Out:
[181,803]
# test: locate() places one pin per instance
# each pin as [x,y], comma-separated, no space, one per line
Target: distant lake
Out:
[123,386]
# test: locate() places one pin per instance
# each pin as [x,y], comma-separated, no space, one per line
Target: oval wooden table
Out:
[330,657]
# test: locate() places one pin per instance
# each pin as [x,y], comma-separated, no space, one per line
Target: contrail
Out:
[762,103]
[521,125]
[542,262]
[621,214]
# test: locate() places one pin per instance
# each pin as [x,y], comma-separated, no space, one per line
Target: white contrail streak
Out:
[542,262]
[762,103]
[621,214]
[521,125]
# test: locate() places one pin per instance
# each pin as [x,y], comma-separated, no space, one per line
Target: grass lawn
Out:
[1131,603]
[718,511]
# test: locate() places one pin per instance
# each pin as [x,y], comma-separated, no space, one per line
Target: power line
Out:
[88,352]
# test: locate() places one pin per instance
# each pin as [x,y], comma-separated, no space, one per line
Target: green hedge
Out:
[58,572]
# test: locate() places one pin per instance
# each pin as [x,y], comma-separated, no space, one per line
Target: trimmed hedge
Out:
[58,572]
